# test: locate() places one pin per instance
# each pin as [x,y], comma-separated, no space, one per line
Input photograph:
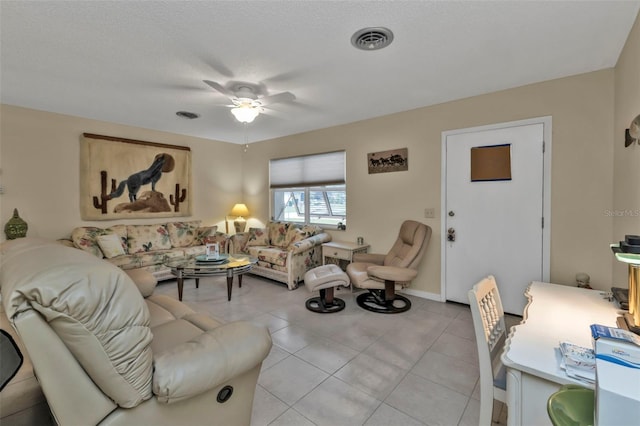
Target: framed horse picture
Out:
[126,178]
[395,160]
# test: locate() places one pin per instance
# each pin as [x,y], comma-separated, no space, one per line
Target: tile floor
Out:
[353,367]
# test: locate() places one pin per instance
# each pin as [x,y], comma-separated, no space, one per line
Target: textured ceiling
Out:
[138,62]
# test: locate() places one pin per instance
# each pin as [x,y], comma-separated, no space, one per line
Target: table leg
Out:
[239,281]
[229,283]
[180,281]
[197,282]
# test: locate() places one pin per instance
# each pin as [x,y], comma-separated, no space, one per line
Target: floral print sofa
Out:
[146,246]
[285,251]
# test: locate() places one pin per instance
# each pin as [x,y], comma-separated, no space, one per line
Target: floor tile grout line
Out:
[278,311]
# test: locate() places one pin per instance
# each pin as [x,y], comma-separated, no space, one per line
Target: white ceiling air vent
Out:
[372,38]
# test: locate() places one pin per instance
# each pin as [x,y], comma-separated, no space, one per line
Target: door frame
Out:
[546,122]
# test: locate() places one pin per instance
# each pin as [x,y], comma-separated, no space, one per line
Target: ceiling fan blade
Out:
[220,88]
[280,97]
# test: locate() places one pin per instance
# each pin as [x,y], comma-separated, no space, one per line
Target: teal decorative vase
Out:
[15,227]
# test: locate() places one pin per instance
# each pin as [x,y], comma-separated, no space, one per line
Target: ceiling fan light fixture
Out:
[245,113]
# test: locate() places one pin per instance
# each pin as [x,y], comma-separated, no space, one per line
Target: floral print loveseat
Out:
[146,246]
[285,251]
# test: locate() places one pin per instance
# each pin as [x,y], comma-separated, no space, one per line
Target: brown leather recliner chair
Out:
[104,355]
[383,274]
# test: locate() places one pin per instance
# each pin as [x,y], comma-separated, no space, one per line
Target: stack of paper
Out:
[578,362]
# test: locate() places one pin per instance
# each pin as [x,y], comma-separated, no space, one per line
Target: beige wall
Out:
[582,170]
[39,170]
[626,190]
[39,166]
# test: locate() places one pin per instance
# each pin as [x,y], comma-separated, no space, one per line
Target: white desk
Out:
[554,313]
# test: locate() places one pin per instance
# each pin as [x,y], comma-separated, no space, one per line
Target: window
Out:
[310,189]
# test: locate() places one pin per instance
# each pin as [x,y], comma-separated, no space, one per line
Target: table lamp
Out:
[239,210]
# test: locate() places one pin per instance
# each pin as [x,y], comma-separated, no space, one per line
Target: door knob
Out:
[451,234]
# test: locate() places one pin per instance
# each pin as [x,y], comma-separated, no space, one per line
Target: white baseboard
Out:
[422,294]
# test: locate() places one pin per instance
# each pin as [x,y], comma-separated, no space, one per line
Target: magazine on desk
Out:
[578,362]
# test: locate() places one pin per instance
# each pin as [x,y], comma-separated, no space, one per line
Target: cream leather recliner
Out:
[383,274]
[104,355]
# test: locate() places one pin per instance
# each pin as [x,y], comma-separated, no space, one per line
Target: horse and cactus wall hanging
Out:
[125,178]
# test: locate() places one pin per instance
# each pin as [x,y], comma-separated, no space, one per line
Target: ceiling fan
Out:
[246,103]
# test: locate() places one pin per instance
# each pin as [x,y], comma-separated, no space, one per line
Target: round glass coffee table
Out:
[197,267]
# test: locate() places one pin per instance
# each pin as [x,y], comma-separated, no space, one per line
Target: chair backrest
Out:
[490,330]
[488,315]
[409,248]
[92,307]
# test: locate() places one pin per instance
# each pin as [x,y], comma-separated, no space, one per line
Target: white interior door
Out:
[498,224]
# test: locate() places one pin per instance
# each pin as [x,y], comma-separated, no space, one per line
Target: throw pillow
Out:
[258,237]
[217,237]
[84,238]
[278,233]
[182,234]
[203,233]
[294,235]
[111,245]
[311,230]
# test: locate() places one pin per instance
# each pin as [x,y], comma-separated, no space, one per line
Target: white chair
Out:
[489,325]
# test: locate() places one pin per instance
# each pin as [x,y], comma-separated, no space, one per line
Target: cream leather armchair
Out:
[383,274]
[104,355]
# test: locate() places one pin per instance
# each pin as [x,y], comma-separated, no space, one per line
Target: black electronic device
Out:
[622,297]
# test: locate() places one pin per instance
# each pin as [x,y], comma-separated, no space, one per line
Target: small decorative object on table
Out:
[15,227]
[212,251]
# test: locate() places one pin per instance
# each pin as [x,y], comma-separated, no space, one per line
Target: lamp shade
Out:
[245,113]
[239,210]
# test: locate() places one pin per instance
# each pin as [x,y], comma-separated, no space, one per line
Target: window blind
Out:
[308,170]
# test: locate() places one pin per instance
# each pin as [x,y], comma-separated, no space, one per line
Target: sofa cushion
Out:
[128,261]
[183,234]
[110,245]
[272,266]
[294,234]
[142,260]
[239,242]
[145,238]
[278,233]
[218,237]
[274,255]
[311,230]
[84,237]
[203,234]
[258,237]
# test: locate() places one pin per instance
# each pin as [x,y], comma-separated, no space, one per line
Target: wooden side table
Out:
[341,252]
